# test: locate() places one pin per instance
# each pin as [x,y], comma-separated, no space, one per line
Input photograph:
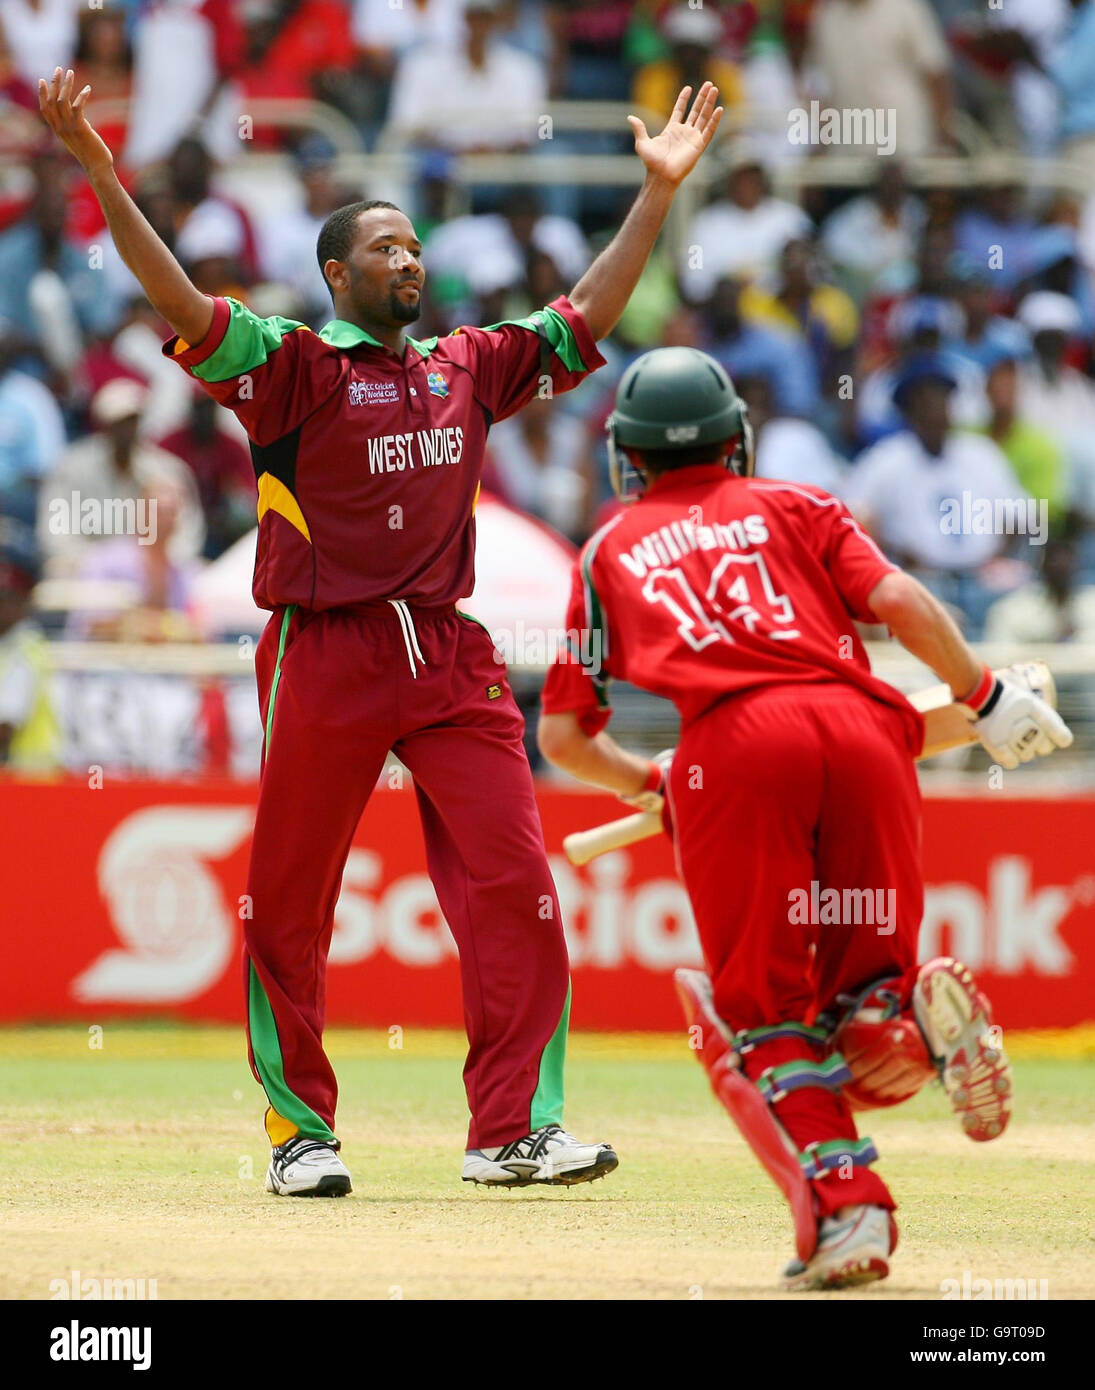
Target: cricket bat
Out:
[947,724]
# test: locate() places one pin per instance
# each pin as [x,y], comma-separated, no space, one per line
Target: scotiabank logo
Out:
[168,908]
[1010,927]
[178,930]
[608,923]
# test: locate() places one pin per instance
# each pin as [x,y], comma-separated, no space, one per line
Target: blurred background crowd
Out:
[907,329]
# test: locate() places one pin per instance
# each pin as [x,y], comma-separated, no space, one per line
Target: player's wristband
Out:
[653,781]
[984,695]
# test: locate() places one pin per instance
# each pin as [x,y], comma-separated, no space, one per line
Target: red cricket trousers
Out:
[778,795]
[337,691]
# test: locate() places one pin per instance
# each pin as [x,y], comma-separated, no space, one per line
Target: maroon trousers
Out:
[777,797]
[337,691]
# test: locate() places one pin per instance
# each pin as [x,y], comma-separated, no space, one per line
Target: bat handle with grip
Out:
[584,845]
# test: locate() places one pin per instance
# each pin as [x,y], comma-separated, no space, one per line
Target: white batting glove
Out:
[1013,724]
[652,796]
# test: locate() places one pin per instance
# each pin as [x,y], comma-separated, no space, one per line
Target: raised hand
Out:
[672,155]
[64,114]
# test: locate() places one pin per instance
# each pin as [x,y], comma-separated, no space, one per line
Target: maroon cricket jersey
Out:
[368,463]
[712,585]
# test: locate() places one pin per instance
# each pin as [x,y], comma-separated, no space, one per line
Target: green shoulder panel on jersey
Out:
[247,343]
[423,346]
[552,328]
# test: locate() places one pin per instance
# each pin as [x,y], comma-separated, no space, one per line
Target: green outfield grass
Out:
[144,1159]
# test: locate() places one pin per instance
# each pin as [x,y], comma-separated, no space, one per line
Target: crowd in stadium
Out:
[898,343]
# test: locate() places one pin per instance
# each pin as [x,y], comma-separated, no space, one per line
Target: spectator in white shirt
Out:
[287,239]
[498,244]
[787,448]
[873,238]
[886,55]
[382,28]
[478,94]
[742,234]
[932,496]
[1054,395]
[1053,608]
[1035,28]
[542,458]
[41,35]
[384,32]
[32,430]
[177,87]
[214,233]
[107,468]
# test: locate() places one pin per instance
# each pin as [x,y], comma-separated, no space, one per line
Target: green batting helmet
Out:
[676,398]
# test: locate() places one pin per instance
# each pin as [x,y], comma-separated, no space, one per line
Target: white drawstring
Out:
[410,637]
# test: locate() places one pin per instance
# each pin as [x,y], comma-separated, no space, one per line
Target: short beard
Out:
[403,312]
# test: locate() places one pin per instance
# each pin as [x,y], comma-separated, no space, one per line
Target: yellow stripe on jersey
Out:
[274,496]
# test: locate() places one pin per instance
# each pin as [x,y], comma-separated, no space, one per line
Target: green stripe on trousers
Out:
[286,619]
[262,1026]
[266,1048]
[547,1099]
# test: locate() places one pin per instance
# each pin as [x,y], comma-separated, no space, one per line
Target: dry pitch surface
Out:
[145,1159]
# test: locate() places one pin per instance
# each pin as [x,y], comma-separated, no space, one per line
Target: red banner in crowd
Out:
[127,900]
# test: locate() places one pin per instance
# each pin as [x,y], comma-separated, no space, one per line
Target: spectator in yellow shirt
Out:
[30,737]
[693,37]
[805,307]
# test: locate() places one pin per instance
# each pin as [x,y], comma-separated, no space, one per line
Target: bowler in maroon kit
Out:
[368,447]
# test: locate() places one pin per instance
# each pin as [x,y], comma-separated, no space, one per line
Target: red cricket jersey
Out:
[713,584]
[368,463]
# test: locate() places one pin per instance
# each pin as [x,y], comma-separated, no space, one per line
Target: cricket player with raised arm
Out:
[736,598]
[368,448]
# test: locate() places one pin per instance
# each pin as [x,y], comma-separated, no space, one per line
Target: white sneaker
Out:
[854,1247]
[968,1051]
[307,1168]
[549,1155]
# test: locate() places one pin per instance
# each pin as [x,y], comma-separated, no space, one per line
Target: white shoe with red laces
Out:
[967,1050]
[854,1247]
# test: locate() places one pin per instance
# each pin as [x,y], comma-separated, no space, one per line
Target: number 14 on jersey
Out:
[740,591]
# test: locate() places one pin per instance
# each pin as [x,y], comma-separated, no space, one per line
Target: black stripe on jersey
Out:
[278,458]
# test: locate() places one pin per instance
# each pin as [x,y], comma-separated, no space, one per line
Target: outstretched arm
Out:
[186,309]
[601,295]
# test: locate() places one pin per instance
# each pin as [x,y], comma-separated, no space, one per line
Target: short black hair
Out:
[336,236]
[665,460]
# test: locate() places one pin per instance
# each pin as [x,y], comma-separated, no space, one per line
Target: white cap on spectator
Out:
[744,153]
[211,231]
[119,399]
[1048,312]
[497,272]
[684,25]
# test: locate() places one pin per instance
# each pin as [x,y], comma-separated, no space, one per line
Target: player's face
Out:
[384,269]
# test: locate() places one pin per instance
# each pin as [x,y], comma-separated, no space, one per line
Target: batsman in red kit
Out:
[368,448]
[793,785]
